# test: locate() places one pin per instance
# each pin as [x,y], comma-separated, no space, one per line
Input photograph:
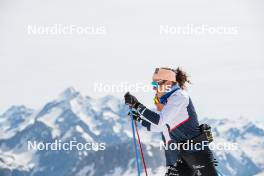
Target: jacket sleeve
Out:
[146,124]
[150,127]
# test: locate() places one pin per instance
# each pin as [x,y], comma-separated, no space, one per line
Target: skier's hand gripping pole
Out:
[132,102]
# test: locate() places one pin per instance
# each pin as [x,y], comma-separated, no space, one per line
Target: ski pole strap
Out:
[135,143]
[141,151]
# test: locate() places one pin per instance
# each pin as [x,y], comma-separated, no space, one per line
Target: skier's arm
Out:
[169,114]
[136,116]
[146,124]
[150,127]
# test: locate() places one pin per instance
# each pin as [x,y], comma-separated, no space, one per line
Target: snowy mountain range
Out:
[72,116]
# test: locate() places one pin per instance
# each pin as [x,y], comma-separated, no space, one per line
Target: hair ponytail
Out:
[182,78]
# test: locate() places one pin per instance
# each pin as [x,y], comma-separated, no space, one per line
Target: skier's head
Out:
[165,78]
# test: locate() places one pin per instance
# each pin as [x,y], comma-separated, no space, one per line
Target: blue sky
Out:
[227,71]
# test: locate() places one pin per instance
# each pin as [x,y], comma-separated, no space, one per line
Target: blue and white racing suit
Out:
[177,121]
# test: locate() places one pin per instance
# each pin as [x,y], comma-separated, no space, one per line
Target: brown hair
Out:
[181,77]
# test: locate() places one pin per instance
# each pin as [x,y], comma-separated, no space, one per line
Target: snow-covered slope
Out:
[72,116]
[248,139]
[15,119]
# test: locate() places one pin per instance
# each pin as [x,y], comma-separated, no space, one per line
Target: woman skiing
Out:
[177,121]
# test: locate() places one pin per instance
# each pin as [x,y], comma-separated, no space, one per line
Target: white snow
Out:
[5,125]
[91,123]
[67,135]
[253,147]
[86,136]
[111,102]
[110,115]
[260,174]
[117,127]
[149,150]
[84,171]
[230,169]
[67,94]
[50,120]
[13,159]
[132,172]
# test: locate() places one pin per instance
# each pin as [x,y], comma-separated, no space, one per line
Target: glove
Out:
[135,115]
[131,100]
[206,129]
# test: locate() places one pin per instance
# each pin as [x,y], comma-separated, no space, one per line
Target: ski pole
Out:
[135,142]
[141,151]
